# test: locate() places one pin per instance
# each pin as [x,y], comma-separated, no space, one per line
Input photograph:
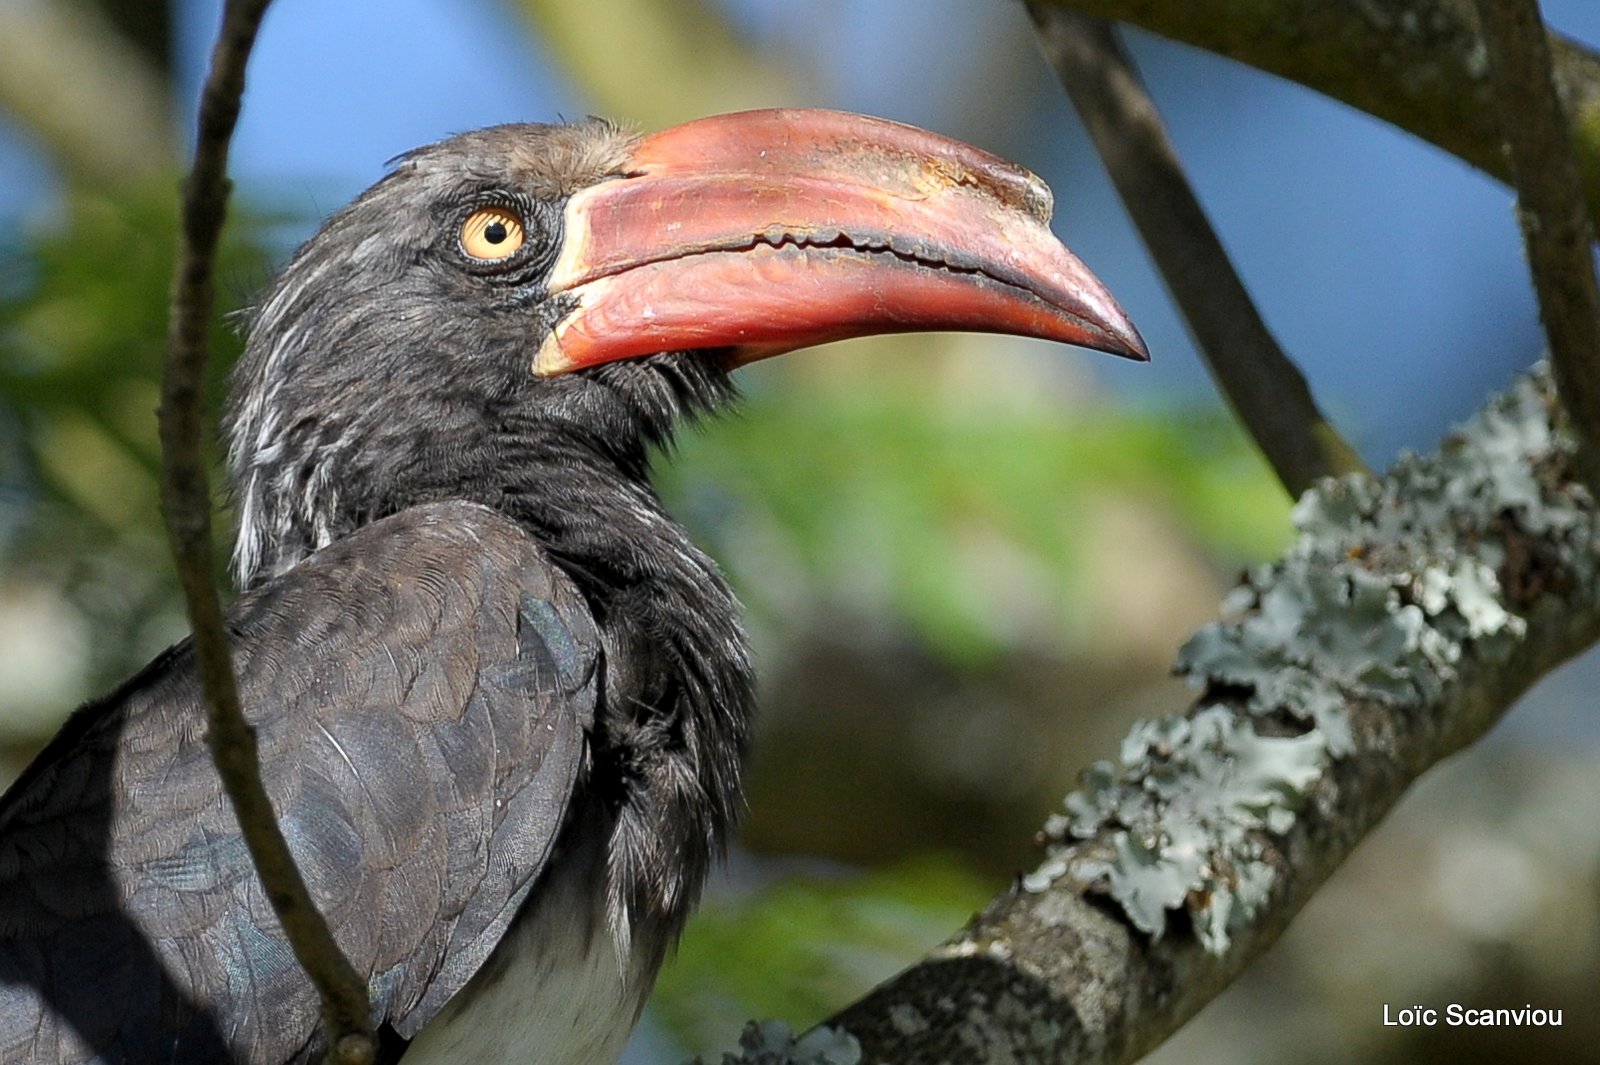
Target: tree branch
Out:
[1556,226]
[186,500]
[1418,64]
[1410,614]
[1265,389]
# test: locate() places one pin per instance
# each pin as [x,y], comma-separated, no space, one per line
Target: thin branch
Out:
[1410,614]
[186,502]
[1418,64]
[1264,387]
[1556,226]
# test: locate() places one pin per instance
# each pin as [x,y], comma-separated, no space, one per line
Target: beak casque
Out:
[766,231]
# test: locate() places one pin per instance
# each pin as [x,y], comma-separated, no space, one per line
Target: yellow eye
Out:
[492,233]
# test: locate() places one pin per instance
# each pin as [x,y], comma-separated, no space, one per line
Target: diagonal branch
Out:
[1556,226]
[1265,389]
[1418,64]
[186,500]
[1410,614]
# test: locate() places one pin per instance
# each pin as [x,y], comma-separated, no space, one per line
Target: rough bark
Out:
[1410,614]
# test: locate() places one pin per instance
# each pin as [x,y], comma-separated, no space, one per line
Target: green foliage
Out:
[83,323]
[802,946]
[82,331]
[898,500]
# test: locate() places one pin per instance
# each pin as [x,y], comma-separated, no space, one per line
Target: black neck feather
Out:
[568,459]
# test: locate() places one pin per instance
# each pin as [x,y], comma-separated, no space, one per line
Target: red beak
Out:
[767,231]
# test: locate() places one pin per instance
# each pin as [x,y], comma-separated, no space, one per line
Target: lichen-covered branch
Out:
[1410,613]
[186,505]
[1419,64]
[1265,389]
[1556,227]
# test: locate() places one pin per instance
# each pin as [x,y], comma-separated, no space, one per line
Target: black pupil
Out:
[494,232]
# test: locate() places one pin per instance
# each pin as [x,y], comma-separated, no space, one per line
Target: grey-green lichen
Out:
[774,1043]
[1390,584]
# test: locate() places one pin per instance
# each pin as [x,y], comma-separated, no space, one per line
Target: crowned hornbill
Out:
[501,699]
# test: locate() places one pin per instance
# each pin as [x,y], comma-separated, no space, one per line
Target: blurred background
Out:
[968,562]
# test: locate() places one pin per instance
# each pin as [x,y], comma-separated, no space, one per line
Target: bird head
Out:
[583,277]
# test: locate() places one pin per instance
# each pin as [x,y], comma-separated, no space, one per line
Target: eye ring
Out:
[493,233]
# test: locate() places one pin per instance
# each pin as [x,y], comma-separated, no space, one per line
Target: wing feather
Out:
[422,693]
